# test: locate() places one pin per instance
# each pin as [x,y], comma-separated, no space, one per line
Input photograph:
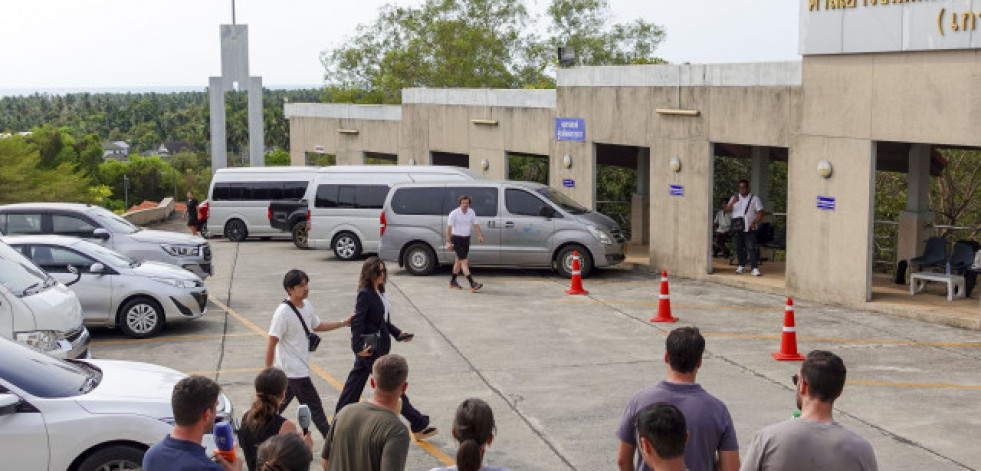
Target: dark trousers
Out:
[746,241]
[302,389]
[354,386]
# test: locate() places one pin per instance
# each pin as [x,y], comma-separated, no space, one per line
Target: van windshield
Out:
[114,223]
[567,204]
[18,275]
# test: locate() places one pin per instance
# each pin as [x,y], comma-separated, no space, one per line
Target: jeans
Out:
[302,389]
[746,241]
[354,386]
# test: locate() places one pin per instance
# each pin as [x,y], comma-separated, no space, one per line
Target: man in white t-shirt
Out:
[459,225]
[749,208]
[289,347]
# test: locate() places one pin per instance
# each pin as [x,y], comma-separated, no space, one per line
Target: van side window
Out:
[522,203]
[71,226]
[23,224]
[371,196]
[258,191]
[294,190]
[483,200]
[418,201]
[351,196]
[326,196]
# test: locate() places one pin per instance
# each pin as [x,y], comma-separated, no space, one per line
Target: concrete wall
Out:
[142,217]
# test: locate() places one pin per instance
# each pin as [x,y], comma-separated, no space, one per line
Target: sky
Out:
[175,43]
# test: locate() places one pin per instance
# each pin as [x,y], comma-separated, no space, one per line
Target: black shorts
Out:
[461,245]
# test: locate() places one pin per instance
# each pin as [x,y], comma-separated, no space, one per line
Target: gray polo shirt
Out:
[807,445]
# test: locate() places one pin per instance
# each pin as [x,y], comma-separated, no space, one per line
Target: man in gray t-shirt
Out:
[814,441]
[712,437]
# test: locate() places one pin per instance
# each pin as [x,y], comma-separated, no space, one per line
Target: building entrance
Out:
[622,192]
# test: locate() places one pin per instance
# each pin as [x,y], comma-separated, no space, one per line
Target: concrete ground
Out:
[558,370]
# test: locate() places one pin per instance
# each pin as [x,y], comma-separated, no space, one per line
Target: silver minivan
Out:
[524,225]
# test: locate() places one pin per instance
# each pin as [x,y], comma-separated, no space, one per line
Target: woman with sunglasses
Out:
[371,328]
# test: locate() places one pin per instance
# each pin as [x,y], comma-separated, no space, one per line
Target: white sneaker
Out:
[741,269]
[756,272]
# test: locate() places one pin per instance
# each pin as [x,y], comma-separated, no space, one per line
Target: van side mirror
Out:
[8,403]
[547,212]
[100,233]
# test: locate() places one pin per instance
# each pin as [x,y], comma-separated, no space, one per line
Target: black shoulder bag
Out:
[739,223]
[312,338]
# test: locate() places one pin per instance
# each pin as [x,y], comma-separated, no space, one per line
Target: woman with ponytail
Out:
[474,428]
[263,419]
[284,453]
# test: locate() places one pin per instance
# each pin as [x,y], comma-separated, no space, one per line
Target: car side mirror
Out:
[8,403]
[100,233]
[547,212]
[97,268]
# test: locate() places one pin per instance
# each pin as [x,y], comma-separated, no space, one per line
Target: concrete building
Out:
[850,108]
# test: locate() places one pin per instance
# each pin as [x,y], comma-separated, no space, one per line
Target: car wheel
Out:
[300,235]
[203,230]
[141,318]
[113,458]
[235,230]
[419,260]
[346,246]
[564,261]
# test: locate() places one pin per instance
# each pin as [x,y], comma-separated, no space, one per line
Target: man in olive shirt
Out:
[369,435]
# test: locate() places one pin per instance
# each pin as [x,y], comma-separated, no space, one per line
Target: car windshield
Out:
[567,204]
[20,276]
[43,376]
[114,223]
[105,255]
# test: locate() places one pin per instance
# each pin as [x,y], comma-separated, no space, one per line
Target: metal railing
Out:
[885,237]
[619,211]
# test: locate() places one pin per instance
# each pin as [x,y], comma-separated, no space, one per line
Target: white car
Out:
[83,415]
[116,290]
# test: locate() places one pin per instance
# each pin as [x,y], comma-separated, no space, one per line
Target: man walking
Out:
[369,436]
[813,441]
[459,225]
[712,443]
[747,210]
[289,344]
[662,436]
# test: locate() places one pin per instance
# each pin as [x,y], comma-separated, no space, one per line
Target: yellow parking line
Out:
[693,306]
[167,339]
[915,385]
[432,450]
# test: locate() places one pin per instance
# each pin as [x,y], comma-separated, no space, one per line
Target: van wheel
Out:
[419,259]
[113,458]
[141,318]
[346,246]
[564,261]
[235,230]
[300,235]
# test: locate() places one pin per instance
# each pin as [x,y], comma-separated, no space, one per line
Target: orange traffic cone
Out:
[576,287]
[664,302]
[788,342]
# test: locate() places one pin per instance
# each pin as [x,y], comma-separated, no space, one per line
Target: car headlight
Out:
[175,282]
[600,235]
[181,250]
[43,340]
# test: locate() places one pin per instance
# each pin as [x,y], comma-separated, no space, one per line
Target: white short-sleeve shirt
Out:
[755,207]
[292,351]
[462,223]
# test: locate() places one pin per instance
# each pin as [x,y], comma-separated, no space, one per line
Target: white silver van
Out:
[524,225]
[344,202]
[37,310]
[238,200]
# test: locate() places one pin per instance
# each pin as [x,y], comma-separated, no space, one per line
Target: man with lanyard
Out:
[747,210]
[461,221]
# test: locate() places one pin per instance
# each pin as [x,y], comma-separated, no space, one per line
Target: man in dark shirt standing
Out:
[195,403]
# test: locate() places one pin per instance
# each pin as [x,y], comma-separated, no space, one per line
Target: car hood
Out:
[132,388]
[166,237]
[599,220]
[164,270]
[56,308]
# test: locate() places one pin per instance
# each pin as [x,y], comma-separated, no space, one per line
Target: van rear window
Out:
[418,201]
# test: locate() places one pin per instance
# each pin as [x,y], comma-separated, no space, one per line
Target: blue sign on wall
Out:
[677,190]
[826,202]
[569,183]
[570,129]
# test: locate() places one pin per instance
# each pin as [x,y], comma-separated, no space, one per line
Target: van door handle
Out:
[508,225]
[491,223]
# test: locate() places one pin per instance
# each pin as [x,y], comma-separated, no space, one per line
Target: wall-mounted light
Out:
[348,131]
[412,161]
[567,161]
[484,122]
[675,164]
[824,169]
[484,164]
[677,112]
[566,56]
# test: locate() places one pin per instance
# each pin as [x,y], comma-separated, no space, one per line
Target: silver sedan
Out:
[115,290]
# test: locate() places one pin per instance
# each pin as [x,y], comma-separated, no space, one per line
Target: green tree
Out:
[586,25]
[278,158]
[24,178]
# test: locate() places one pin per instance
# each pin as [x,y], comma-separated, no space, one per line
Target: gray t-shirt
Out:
[710,427]
[807,445]
[366,437]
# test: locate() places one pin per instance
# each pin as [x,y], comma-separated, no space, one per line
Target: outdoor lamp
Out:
[824,169]
[567,56]
[484,164]
[567,161]
[412,161]
[675,164]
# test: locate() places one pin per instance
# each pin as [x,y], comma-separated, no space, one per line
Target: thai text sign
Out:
[570,129]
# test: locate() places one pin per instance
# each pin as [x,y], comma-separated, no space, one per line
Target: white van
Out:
[238,200]
[37,310]
[344,203]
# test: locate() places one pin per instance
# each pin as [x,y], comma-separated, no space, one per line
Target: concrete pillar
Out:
[915,221]
[219,152]
[759,176]
[257,137]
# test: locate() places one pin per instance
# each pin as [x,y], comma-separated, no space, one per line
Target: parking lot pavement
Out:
[558,370]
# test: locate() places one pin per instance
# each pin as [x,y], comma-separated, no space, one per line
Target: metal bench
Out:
[955,283]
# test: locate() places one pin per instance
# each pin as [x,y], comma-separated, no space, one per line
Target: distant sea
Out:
[135,89]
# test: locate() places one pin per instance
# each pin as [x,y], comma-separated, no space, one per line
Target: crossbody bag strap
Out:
[748,202]
[298,316]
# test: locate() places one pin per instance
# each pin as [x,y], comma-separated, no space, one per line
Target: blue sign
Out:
[677,190]
[569,183]
[570,129]
[826,202]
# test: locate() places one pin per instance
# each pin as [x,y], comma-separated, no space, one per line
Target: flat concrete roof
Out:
[518,98]
[752,74]
[343,111]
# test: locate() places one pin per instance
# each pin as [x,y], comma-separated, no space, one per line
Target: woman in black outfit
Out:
[372,316]
[192,213]
[263,420]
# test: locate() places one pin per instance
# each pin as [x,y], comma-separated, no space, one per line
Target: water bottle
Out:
[948,267]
